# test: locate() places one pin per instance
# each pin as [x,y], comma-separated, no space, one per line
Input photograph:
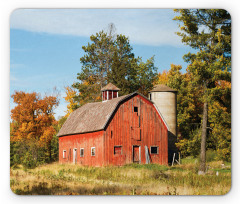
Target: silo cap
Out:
[162,88]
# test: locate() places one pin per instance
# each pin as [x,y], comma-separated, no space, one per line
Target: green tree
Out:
[187,100]
[109,58]
[209,32]
[146,75]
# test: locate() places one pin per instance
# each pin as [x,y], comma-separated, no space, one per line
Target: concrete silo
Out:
[165,99]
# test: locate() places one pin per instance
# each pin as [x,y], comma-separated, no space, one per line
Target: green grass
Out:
[189,160]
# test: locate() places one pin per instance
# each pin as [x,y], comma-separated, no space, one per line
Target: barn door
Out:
[74,156]
[136,154]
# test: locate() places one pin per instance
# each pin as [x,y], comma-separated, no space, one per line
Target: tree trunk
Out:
[203,139]
[50,152]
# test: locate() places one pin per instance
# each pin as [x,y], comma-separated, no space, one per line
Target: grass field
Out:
[134,179]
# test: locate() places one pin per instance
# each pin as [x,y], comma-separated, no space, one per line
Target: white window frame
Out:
[94,151]
[157,149]
[65,154]
[81,151]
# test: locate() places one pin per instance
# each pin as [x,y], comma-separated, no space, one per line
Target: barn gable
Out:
[133,131]
[95,116]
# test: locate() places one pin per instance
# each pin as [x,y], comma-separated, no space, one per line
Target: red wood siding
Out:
[125,137]
[109,95]
[135,130]
[85,141]
[104,95]
[115,94]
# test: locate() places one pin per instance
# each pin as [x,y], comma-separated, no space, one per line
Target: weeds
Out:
[133,179]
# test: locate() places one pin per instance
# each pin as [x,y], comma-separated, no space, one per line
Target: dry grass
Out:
[57,179]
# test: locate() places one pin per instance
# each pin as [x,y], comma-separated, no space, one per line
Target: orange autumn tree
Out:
[33,122]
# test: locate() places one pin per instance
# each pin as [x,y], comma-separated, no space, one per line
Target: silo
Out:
[165,99]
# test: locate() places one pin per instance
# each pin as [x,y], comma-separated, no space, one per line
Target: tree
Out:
[146,75]
[162,78]
[70,99]
[32,124]
[209,32]
[96,65]
[109,58]
[188,110]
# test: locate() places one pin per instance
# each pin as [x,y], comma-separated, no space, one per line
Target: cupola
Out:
[109,92]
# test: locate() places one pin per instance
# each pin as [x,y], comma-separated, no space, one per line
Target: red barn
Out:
[116,131]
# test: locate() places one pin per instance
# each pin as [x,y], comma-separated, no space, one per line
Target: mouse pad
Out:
[120,102]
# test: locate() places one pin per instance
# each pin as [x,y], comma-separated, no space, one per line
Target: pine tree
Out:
[109,58]
[209,32]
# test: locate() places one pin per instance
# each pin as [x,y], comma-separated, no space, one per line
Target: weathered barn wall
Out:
[129,129]
[134,125]
[86,141]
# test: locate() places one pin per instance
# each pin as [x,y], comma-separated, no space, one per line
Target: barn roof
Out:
[90,117]
[93,116]
[162,88]
[110,86]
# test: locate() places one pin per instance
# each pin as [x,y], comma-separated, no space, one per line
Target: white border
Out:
[8,6]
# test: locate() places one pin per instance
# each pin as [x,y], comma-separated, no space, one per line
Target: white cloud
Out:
[143,26]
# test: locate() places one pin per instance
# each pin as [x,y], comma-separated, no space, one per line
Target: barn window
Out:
[150,96]
[135,109]
[64,154]
[92,151]
[111,133]
[81,152]
[154,150]
[117,149]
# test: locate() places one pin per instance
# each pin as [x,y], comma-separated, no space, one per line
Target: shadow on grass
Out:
[43,189]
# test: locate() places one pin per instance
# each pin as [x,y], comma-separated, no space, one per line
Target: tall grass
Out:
[133,179]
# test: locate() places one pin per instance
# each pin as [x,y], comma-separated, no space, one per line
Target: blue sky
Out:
[46,44]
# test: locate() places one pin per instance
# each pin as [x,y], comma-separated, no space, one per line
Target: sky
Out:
[46,44]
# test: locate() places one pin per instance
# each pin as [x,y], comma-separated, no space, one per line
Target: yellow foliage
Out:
[162,78]
[70,93]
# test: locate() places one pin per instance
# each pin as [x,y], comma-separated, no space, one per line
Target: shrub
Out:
[192,145]
[28,161]
[211,155]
